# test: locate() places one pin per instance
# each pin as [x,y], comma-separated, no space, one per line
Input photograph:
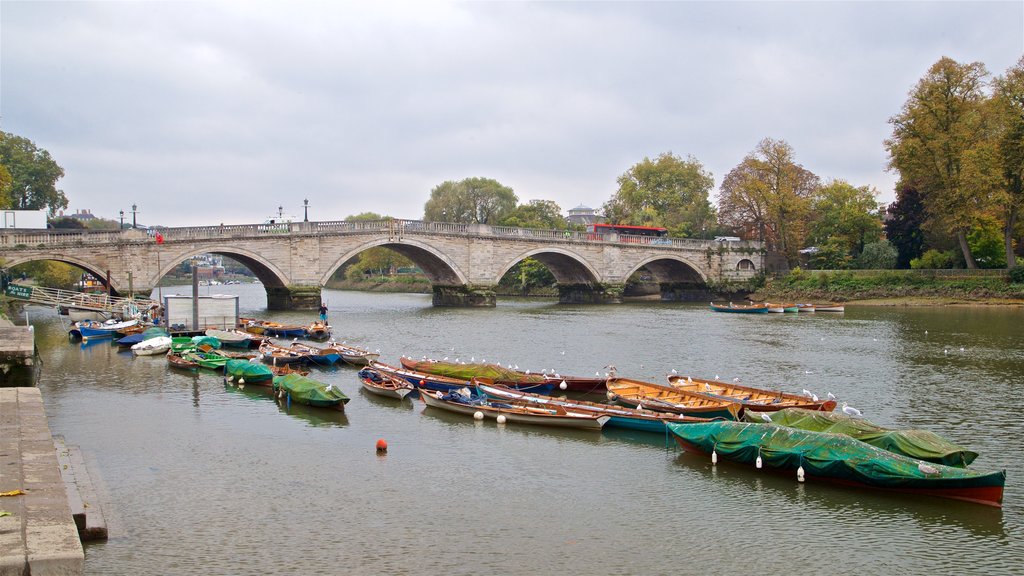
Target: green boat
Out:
[182,344]
[246,372]
[208,361]
[836,458]
[919,444]
[304,390]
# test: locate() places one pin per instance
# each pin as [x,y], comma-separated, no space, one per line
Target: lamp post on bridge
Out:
[305,210]
[135,210]
[121,227]
[280,212]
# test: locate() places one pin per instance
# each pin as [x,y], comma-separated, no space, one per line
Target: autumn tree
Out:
[669,192]
[1008,103]
[768,197]
[470,201]
[941,142]
[33,176]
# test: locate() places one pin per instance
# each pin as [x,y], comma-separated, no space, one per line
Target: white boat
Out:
[514,411]
[829,308]
[153,346]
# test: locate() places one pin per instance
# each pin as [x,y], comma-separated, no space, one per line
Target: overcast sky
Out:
[210,112]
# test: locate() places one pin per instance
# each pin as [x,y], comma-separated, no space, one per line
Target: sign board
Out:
[28,219]
[19,291]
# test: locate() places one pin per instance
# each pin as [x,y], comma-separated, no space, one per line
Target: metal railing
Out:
[58,298]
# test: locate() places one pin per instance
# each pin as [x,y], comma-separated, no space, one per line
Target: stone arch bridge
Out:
[462,261]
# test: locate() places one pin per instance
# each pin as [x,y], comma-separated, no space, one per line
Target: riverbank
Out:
[894,288]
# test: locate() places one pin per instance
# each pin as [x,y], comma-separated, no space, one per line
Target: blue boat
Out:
[741,308]
[93,330]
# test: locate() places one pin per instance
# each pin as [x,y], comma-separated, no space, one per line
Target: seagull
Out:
[689,380]
[707,387]
[808,372]
[329,386]
[927,469]
[808,393]
[766,417]
[563,352]
[814,397]
[716,376]
[674,371]
[850,410]
[831,396]
[445,359]
[735,379]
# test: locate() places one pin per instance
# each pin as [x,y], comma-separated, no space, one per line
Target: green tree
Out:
[941,141]
[379,260]
[366,216]
[470,201]
[1009,109]
[878,256]
[539,214]
[68,223]
[526,275]
[667,191]
[5,188]
[768,196]
[847,214]
[33,175]
[986,243]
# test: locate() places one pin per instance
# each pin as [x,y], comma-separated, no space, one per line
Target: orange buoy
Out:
[382,446]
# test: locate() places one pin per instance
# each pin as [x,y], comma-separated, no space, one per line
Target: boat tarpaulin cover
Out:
[919,444]
[467,371]
[826,455]
[251,371]
[303,389]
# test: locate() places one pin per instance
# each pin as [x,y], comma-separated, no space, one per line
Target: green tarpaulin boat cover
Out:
[918,444]
[154,332]
[307,391]
[207,340]
[249,371]
[827,455]
[495,372]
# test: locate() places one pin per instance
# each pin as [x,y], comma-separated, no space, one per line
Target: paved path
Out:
[39,537]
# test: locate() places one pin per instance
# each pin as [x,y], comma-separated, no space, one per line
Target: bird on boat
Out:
[808,393]
[736,379]
[674,371]
[766,417]
[445,359]
[850,410]
[814,397]
[831,396]
[927,469]
[707,387]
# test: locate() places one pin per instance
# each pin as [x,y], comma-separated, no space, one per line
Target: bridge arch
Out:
[99,272]
[269,274]
[437,266]
[668,268]
[566,266]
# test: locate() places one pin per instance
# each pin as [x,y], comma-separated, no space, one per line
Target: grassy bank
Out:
[893,287]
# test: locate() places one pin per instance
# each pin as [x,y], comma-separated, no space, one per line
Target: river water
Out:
[198,477]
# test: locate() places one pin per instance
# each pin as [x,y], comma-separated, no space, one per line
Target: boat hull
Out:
[492,412]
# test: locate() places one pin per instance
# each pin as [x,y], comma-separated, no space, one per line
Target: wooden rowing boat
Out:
[354,355]
[421,380]
[176,361]
[513,411]
[381,384]
[830,307]
[640,394]
[780,308]
[740,308]
[511,377]
[318,330]
[619,416]
[752,399]
[277,355]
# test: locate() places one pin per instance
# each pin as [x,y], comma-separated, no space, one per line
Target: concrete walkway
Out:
[40,536]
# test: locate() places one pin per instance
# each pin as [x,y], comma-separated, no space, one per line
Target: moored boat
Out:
[93,330]
[303,390]
[830,307]
[210,361]
[780,308]
[354,355]
[920,444]
[541,383]
[805,308]
[464,402]
[420,380]
[619,416]
[382,384]
[152,346]
[134,339]
[283,330]
[277,355]
[640,394]
[740,308]
[752,399]
[318,356]
[318,330]
[234,338]
[246,372]
[176,361]
[837,458]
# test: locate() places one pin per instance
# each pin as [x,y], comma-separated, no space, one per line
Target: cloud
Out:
[203,112]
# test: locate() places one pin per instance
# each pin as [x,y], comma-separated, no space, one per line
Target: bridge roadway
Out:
[462,261]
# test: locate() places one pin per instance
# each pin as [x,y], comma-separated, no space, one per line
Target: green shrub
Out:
[934,259]
[1017,275]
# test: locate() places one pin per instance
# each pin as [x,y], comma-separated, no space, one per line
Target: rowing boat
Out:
[837,458]
[619,416]
[829,307]
[920,444]
[306,391]
[354,355]
[503,376]
[463,402]
[246,372]
[639,394]
[740,308]
[752,399]
[152,346]
[420,380]
[382,384]
[175,361]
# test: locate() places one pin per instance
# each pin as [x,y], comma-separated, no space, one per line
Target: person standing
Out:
[323,312]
